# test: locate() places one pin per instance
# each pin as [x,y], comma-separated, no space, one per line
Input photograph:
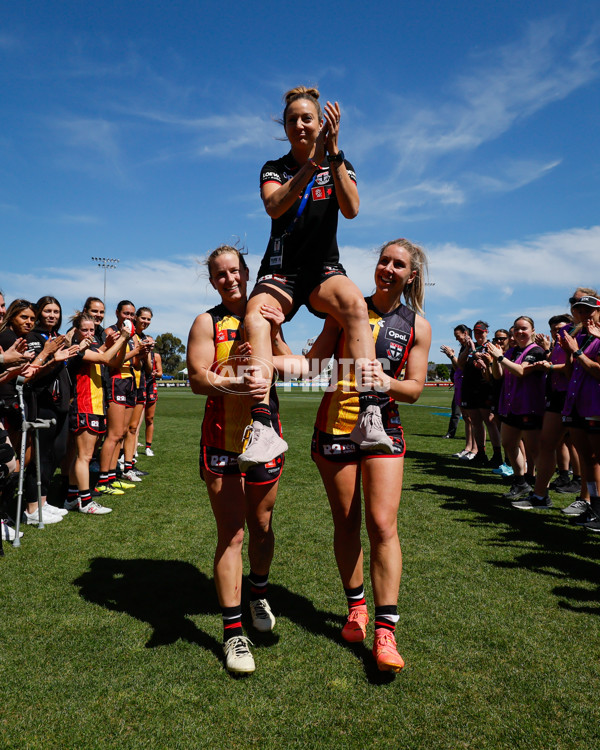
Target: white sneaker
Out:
[131,476]
[7,532]
[238,657]
[368,433]
[264,444]
[262,617]
[33,518]
[149,452]
[47,508]
[94,508]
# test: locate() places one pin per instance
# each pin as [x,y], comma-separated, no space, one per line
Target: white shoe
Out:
[47,508]
[368,433]
[7,532]
[262,617]
[238,657]
[149,452]
[131,476]
[264,444]
[94,508]
[33,518]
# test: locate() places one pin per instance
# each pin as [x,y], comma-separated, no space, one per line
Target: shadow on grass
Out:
[163,593]
[565,551]
[301,611]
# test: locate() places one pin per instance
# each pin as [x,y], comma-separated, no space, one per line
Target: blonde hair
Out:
[414,293]
[585,292]
[222,250]
[302,92]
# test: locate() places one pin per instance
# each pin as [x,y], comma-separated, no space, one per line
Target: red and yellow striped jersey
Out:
[227,415]
[88,390]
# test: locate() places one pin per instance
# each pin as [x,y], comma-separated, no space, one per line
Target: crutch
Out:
[36,425]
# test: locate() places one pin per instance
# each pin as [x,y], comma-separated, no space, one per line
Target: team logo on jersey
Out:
[393,334]
[322,178]
[395,351]
[320,193]
[226,335]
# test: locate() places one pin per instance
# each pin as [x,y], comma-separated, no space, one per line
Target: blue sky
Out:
[137,130]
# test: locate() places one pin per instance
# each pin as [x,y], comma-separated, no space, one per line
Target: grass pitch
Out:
[110,630]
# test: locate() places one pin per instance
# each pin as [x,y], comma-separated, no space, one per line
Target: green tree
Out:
[171,351]
[442,372]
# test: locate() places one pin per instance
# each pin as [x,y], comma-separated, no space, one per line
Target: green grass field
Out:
[110,630]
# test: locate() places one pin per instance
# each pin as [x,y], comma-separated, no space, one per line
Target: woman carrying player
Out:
[237,497]
[303,193]
[402,338]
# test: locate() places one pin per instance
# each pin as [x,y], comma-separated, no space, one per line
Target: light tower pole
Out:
[105,263]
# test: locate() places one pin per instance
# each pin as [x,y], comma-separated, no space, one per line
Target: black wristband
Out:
[578,353]
[336,158]
[500,358]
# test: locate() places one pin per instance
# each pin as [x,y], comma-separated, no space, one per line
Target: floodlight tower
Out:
[105,263]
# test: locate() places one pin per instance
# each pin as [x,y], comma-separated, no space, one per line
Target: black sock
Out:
[72,492]
[258,585]
[128,465]
[370,398]
[103,478]
[386,617]
[355,597]
[232,622]
[261,413]
[85,497]
[563,473]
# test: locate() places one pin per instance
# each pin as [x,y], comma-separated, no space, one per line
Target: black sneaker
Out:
[586,517]
[593,525]
[571,488]
[560,481]
[532,502]
[517,491]
[140,473]
[480,459]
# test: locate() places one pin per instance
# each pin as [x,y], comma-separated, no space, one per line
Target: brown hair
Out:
[80,317]
[15,307]
[527,318]
[301,92]
[414,293]
[222,250]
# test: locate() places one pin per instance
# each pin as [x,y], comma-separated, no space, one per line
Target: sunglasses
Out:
[501,338]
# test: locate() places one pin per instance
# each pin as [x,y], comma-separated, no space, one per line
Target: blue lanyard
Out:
[302,205]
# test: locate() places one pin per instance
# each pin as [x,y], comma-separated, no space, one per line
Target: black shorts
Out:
[477,400]
[95,423]
[593,425]
[575,420]
[523,421]
[140,395]
[122,391]
[339,449]
[10,414]
[151,393]
[224,463]
[555,402]
[300,286]
[7,453]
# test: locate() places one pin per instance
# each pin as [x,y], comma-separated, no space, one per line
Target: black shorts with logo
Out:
[122,391]
[340,449]
[224,463]
[300,286]
[523,421]
[95,423]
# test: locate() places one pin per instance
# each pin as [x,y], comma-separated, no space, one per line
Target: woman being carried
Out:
[302,193]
